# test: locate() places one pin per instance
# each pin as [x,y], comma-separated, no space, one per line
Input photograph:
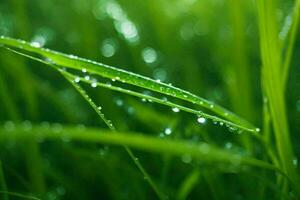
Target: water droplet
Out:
[295,162]
[73,57]
[130,110]
[99,108]
[87,78]
[175,109]
[201,120]
[212,106]
[119,102]
[108,48]
[149,55]
[168,131]
[228,145]
[94,83]
[232,129]
[84,70]
[35,44]
[257,129]
[77,80]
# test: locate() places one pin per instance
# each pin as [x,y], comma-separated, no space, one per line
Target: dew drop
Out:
[99,108]
[295,162]
[119,102]
[94,83]
[77,80]
[72,56]
[149,55]
[168,131]
[201,120]
[175,109]
[35,44]
[257,129]
[228,145]
[87,78]
[84,70]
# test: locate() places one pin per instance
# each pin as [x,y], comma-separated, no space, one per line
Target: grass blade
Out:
[106,71]
[291,42]
[3,185]
[198,151]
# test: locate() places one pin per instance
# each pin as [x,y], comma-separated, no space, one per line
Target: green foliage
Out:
[65,117]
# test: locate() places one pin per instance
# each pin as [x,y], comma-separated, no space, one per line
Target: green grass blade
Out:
[272,81]
[291,42]
[113,129]
[3,185]
[106,71]
[163,102]
[188,184]
[198,151]
[19,195]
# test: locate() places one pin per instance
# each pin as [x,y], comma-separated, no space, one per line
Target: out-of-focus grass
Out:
[209,48]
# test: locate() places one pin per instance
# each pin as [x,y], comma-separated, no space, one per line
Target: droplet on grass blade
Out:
[175,109]
[201,120]
[77,79]
[168,131]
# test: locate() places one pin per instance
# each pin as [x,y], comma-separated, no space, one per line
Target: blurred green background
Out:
[208,47]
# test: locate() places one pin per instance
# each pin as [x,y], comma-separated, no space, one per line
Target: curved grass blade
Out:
[19,195]
[198,151]
[221,121]
[291,42]
[188,184]
[3,185]
[113,129]
[102,116]
[74,62]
